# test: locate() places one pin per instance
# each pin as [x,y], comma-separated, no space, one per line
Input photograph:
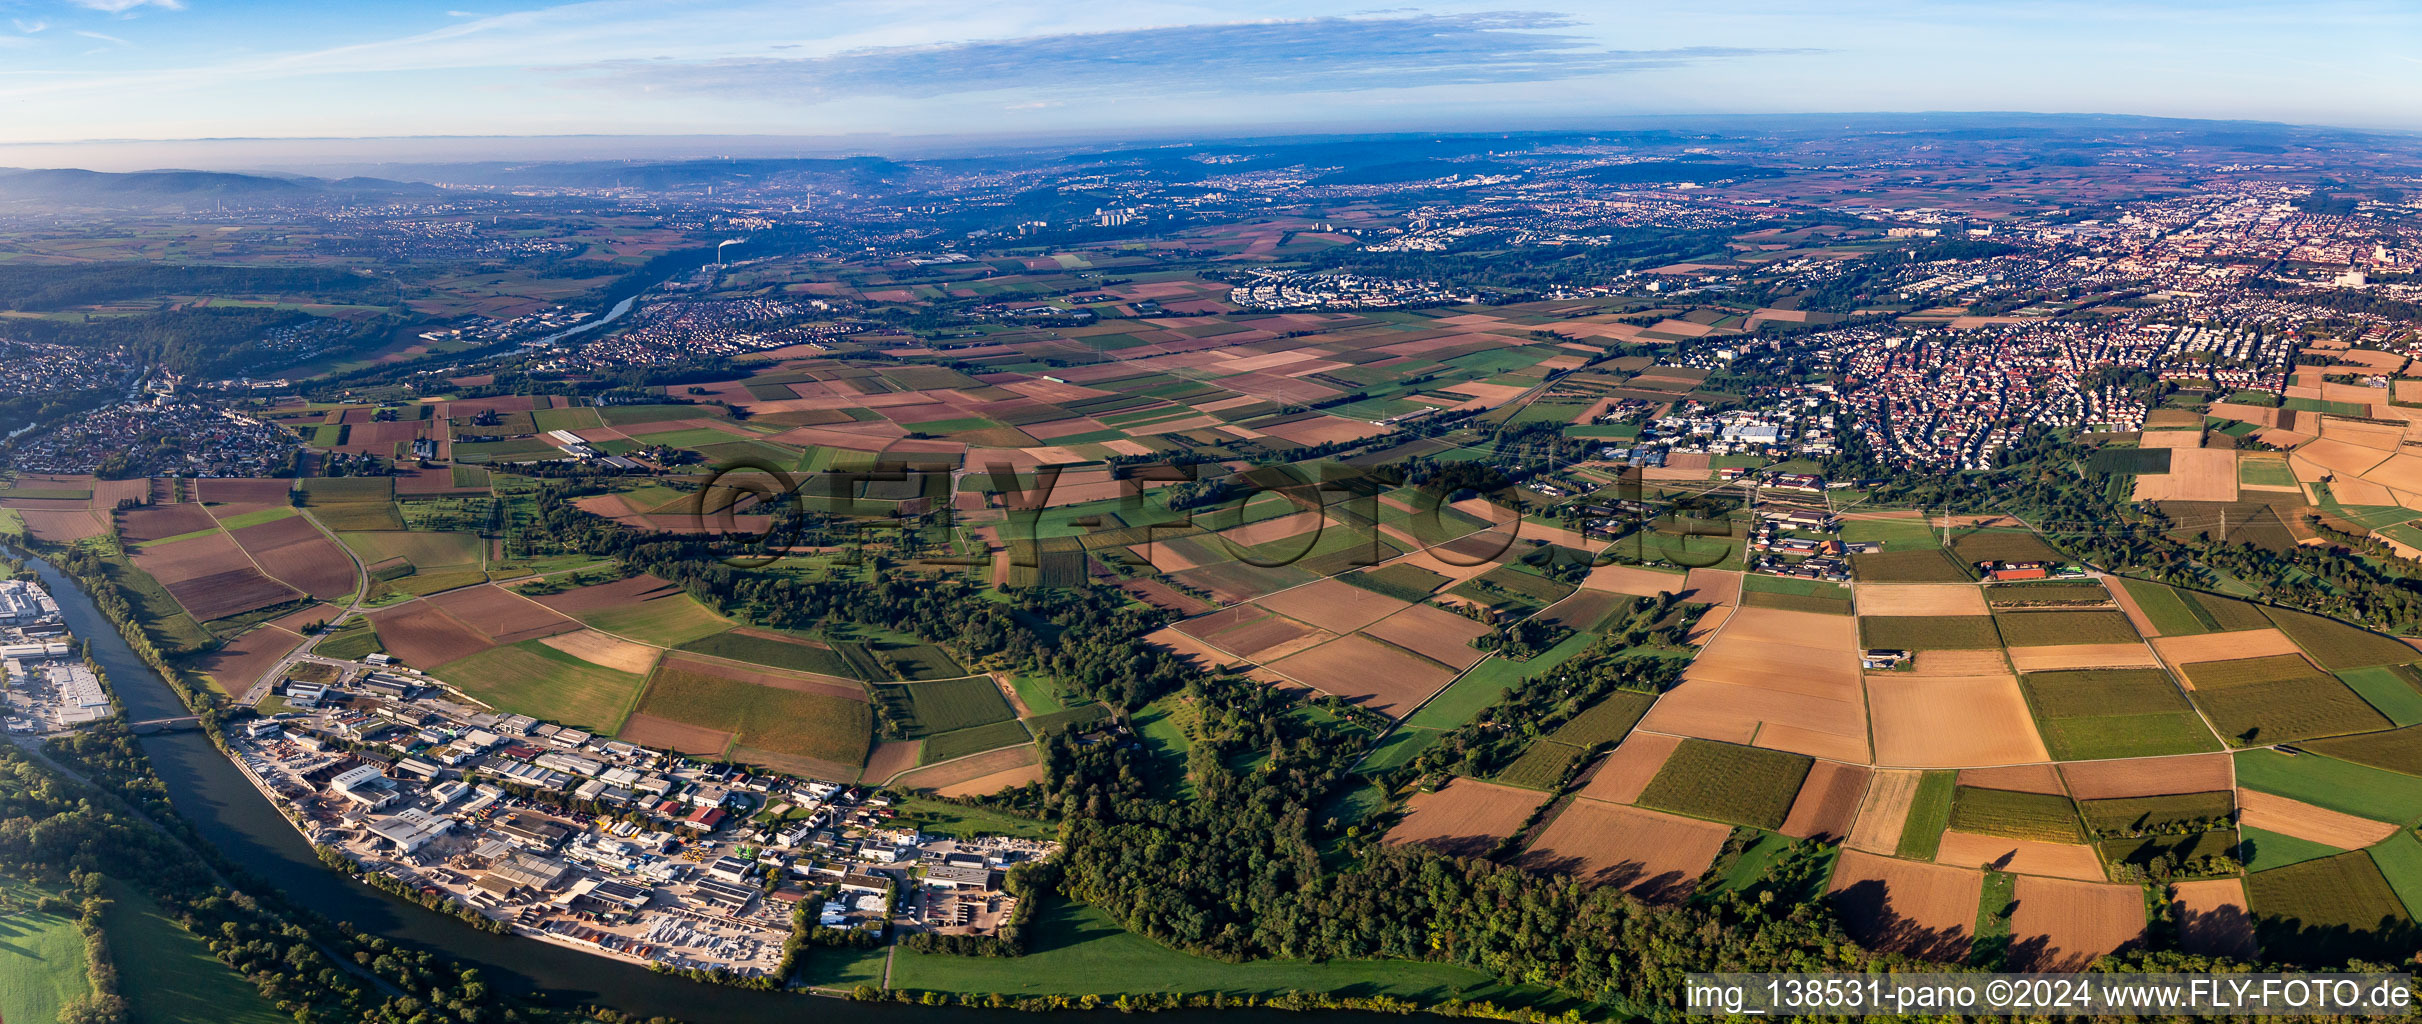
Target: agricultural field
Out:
[1726,782]
[2042,817]
[944,705]
[1928,632]
[2108,713]
[535,679]
[41,961]
[756,714]
[2326,910]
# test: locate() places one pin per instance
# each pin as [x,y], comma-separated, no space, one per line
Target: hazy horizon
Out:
[83,71]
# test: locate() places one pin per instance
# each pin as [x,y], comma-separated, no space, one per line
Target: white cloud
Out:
[125,6]
[29,27]
[104,38]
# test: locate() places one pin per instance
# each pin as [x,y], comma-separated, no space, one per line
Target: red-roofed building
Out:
[705,819]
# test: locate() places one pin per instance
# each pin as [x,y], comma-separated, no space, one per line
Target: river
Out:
[209,791]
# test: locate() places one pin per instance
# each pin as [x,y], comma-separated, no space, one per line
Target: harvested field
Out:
[1375,675]
[1776,626]
[2148,776]
[423,636]
[1828,803]
[889,758]
[296,552]
[967,770]
[2020,856]
[1960,663]
[2064,657]
[1928,632]
[797,682]
[2052,628]
[245,659]
[1333,605]
[666,734]
[987,785]
[177,561]
[503,615]
[2062,925]
[2019,778]
[1268,638]
[1951,722]
[2250,643]
[230,593]
[2274,813]
[1911,599]
[1466,817]
[1920,910]
[1713,586]
[1632,580]
[1832,726]
[1884,811]
[597,648]
[1579,612]
[1622,774]
[61,526]
[1434,633]
[1657,857]
[148,523]
[642,608]
[2212,918]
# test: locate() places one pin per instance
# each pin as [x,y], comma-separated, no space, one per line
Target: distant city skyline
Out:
[196,69]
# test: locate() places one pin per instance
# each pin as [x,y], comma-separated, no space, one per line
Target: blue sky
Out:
[179,69]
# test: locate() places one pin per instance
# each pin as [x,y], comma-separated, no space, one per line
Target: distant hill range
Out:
[188,188]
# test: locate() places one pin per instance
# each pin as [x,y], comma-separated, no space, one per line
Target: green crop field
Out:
[2092,737]
[1512,591]
[945,746]
[2337,785]
[2045,817]
[2001,544]
[2046,629]
[764,650]
[2399,858]
[258,516]
[1607,721]
[2395,690]
[1487,681]
[1922,566]
[2288,710]
[1929,815]
[1542,766]
[1928,632]
[1795,602]
[351,644]
[358,516]
[1078,950]
[2337,645]
[1725,782]
[1402,582]
[41,961]
[2265,473]
[1073,718]
[330,490]
[2135,816]
[947,705]
[435,551]
[2328,910]
[2224,675]
[2259,850]
[668,621]
[1762,583]
[2398,750]
[168,974]
[2104,691]
[534,679]
[2168,609]
[789,722]
[1399,748]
